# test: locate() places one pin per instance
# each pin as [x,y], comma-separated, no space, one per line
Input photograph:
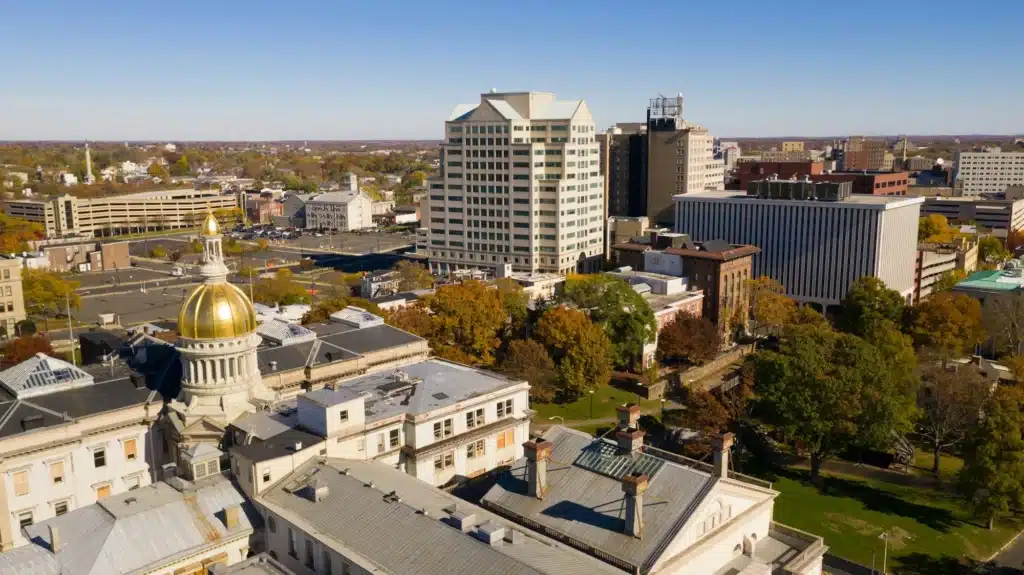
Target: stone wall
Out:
[685,378]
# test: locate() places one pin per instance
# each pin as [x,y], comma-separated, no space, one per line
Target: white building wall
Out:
[662,263]
[989,172]
[815,249]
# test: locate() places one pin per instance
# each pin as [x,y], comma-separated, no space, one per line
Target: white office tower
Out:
[520,184]
[990,171]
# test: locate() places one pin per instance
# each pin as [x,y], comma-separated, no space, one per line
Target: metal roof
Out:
[505,109]
[461,111]
[408,532]
[555,110]
[585,502]
[282,332]
[128,532]
[42,374]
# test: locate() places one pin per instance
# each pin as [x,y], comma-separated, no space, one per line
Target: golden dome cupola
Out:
[216,309]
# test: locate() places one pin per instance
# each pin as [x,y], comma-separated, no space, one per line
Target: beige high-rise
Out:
[520,184]
[12,302]
[680,160]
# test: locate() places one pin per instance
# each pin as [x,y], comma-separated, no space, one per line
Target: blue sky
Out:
[257,69]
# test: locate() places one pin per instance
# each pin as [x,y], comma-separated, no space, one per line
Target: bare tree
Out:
[1003,317]
[950,400]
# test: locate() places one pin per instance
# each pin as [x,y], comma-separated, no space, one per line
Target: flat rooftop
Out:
[423,387]
[992,280]
[854,201]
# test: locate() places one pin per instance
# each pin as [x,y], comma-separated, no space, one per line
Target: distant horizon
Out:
[394,71]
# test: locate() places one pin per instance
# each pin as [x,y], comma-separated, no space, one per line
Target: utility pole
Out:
[71,333]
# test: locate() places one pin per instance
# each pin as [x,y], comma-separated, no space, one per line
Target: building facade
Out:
[624,165]
[339,211]
[934,260]
[680,159]
[816,248]
[102,216]
[520,183]
[989,172]
[998,216]
[864,154]
[12,299]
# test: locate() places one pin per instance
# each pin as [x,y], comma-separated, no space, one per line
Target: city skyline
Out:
[127,71]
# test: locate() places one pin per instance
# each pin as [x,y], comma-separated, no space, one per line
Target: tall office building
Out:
[988,172]
[624,166]
[520,185]
[816,238]
[680,158]
[863,154]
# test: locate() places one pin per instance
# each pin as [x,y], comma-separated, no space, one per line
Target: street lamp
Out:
[885,549]
[661,416]
[591,392]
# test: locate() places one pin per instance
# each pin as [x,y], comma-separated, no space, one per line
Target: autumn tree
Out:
[579,347]
[412,276]
[627,319]
[15,233]
[949,402]
[991,250]
[281,289]
[706,415]
[950,322]
[47,292]
[948,280]
[155,170]
[528,360]
[514,301]
[689,339]
[467,320]
[831,390]
[934,228]
[770,309]
[21,348]
[992,479]
[412,318]
[868,303]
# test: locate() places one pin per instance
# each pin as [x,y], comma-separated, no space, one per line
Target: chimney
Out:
[633,486]
[538,452]
[721,445]
[629,440]
[55,542]
[628,415]
[232,516]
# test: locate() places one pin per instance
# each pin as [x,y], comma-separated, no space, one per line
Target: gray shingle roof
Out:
[588,506]
[124,533]
[399,538]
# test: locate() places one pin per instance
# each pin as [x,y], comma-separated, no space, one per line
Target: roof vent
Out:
[131,501]
[392,497]
[462,521]
[273,366]
[316,491]
[297,446]
[490,532]
[514,537]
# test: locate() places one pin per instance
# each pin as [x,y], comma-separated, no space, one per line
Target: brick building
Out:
[864,182]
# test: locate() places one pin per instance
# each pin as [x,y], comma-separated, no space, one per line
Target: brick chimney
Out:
[721,446]
[633,486]
[629,436]
[538,452]
[628,415]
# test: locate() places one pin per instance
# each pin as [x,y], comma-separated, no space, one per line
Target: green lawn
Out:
[928,527]
[605,399]
[949,465]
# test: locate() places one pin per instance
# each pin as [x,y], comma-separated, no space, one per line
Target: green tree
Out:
[992,250]
[467,320]
[514,301]
[155,170]
[992,479]
[949,401]
[180,167]
[950,322]
[689,339]
[47,292]
[829,391]
[412,276]
[770,309]
[528,360]
[627,319]
[158,252]
[580,348]
[869,303]
[280,289]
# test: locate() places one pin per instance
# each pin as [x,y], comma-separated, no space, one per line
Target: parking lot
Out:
[134,307]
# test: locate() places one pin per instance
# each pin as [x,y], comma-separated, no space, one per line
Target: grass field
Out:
[928,527]
[605,399]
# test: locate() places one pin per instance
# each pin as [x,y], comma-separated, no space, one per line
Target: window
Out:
[326,567]
[291,544]
[25,519]
[506,439]
[102,491]
[505,408]
[99,457]
[309,553]
[266,476]
[130,451]
[443,429]
[474,418]
[345,570]
[21,483]
[444,461]
[393,438]
[474,450]
[380,443]
[344,415]
[60,508]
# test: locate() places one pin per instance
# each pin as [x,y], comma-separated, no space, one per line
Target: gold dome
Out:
[214,311]
[210,226]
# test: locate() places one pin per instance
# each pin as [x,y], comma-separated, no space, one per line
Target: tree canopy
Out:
[868,304]
[15,233]
[992,479]
[529,360]
[580,348]
[991,250]
[466,321]
[281,289]
[47,292]
[689,339]
[949,403]
[950,322]
[627,319]
[21,348]
[769,307]
[413,276]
